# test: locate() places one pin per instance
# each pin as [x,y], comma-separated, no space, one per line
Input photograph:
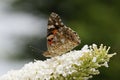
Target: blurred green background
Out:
[96,21]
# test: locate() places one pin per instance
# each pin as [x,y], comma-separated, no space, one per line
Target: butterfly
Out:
[60,38]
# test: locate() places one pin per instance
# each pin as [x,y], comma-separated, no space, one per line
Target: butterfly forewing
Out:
[60,39]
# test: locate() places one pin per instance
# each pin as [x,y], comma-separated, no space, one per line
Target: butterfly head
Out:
[49,54]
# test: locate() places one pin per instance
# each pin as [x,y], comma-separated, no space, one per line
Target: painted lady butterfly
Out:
[60,39]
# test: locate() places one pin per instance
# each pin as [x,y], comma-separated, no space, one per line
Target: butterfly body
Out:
[60,39]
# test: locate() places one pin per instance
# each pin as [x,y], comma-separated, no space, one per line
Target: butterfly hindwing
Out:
[60,39]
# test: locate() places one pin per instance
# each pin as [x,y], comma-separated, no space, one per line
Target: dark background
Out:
[96,21]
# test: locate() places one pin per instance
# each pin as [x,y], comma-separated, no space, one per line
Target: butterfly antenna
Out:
[36,49]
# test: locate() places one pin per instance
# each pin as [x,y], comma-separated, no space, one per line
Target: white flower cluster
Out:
[53,68]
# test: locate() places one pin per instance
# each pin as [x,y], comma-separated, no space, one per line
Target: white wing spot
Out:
[50,19]
[63,40]
[56,23]
[51,26]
